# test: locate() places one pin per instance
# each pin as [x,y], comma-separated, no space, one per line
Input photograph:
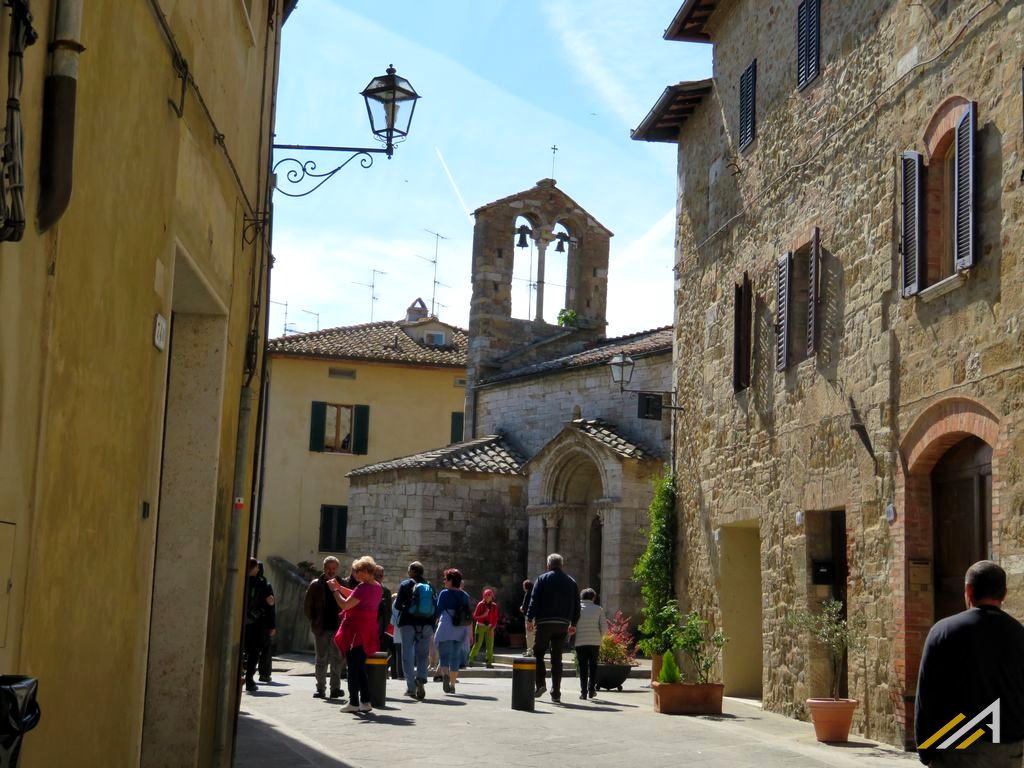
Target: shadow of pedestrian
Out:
[265,694]
[478,698]
[260,744]
[374,717]
[443,702]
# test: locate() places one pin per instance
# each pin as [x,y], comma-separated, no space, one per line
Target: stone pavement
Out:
[282,726]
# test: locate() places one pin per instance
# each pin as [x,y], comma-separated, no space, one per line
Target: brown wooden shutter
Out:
[964,226]
[742,335]
[783,276]
[360,429]
[813,278]
[912,235]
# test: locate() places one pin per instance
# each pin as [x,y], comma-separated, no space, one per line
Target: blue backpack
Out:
[422,605]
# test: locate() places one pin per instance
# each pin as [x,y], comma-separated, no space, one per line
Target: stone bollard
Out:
[377,675]
[524,676]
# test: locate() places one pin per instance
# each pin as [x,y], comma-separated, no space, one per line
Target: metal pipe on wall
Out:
[57,151]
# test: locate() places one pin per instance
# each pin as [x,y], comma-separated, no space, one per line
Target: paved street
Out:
[283,726]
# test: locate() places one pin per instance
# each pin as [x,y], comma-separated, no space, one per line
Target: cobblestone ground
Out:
[283,726]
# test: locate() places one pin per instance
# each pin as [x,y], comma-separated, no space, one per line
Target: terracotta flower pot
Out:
[832,718]
[688,698]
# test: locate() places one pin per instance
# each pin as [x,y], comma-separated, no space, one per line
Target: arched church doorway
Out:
[962,519]
[577,489]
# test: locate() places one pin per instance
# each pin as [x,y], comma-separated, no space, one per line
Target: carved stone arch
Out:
[561,471]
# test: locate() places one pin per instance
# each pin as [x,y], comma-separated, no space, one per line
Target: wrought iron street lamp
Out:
[651,403]
[390,103]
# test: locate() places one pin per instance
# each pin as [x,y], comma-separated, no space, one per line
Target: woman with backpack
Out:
[453,616]
[486,617]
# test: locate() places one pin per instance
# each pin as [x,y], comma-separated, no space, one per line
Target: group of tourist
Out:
[436,634]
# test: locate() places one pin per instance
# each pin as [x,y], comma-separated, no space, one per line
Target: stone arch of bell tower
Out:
[500,342]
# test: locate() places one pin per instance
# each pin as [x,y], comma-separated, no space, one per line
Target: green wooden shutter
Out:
[458,419]
[317,417]
[360,429]
[964,227]
[912,234]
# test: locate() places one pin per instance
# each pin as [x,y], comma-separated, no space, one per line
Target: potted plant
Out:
[655,572]
[832,716]
[701,649]
[616,654]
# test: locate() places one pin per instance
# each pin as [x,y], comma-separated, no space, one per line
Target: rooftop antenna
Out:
[284,304]
[433,293]
[372,285]
[554,148]
[315,314]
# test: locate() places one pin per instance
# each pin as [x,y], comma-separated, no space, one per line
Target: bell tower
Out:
[551,223]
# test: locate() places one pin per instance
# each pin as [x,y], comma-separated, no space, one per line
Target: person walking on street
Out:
[453,617]
[265,666]
[358,636]
[971,661]
[530,632]
[384,615]
[486,617]
[416,607]
[321,610]
[590,629]
[395,663]
[554,611]
[259,621]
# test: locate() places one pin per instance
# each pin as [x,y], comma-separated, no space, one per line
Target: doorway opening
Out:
[740,596]
[961,519]
[827,574]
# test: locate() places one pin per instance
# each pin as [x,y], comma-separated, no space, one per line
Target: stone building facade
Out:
[543,393]
[848,329]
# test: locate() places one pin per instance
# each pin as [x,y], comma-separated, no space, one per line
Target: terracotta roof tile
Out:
[658,340]
[384,341]
[491,454]
[608,436]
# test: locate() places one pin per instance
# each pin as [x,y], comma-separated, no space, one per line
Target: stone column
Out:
[542,245]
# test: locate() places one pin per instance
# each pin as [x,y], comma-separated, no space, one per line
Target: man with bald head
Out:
[970,661]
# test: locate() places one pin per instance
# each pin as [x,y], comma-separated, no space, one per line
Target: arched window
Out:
[524,269]
[939,230]
[556,266]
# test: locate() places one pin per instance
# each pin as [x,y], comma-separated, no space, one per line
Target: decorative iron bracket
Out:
[303,169]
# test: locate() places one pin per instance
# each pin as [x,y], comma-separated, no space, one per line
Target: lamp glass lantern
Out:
[622,369]
[390,103]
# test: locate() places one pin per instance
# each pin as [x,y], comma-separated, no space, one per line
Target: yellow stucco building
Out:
[133,277]
[343,398]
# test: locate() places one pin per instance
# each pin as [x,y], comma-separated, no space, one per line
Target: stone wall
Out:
[828,157]
[468,520]
[532,410]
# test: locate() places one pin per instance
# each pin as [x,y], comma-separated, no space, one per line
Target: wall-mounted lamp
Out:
[799,518]
[717,535]
[890,513]
[650,404]
[390,103]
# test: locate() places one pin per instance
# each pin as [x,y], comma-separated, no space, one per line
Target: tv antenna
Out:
[284,304]
[314,314]
[372,285]
[433,293]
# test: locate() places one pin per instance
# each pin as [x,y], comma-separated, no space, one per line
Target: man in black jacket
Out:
[554,610]
[322,611]
[971,661]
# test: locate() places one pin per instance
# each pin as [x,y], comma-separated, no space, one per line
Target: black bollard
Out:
[524,676]
[19,714]
[377,675]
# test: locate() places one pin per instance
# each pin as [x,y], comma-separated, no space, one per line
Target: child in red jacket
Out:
[486,618]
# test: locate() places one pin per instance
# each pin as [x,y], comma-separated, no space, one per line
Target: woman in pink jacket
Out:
[357,637]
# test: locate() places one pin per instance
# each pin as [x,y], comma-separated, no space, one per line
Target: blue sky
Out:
[501,81]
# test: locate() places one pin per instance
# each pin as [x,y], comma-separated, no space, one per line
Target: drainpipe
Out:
[59,95]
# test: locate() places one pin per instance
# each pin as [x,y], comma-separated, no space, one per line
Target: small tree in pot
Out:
[654,571]
[829,627]
[689,635]
[616,655]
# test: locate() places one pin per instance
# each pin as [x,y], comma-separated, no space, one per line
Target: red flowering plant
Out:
[618,646]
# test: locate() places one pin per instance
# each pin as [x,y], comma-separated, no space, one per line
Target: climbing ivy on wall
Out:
[655,570]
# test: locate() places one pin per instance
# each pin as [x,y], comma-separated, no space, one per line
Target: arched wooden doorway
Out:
[962,519]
